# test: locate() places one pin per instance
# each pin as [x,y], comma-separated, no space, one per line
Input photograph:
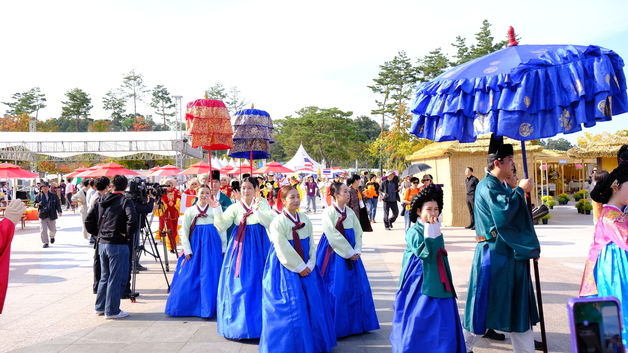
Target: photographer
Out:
[143,197]
[114,219]
[49,208]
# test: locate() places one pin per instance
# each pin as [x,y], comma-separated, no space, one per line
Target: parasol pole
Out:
[535,262]
[251,161]
[209,157]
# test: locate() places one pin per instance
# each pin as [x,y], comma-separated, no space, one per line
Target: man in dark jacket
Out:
[49,207]
[471,182]
[113,218]
[390,196]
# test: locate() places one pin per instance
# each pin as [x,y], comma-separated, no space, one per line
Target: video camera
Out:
[139,189]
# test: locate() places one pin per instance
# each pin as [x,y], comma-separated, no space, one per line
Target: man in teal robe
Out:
[501,295]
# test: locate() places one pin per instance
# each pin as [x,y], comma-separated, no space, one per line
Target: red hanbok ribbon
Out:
[328,252]
[295,236]
[238,242]
[442,270]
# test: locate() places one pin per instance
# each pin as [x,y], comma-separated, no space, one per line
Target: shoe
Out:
[472,228]
[45,245]
[374,221]
[538,346]
[468,227]
[52,240]
[491,334]
[99,312]
[140,267]
[92,240]
[120,315]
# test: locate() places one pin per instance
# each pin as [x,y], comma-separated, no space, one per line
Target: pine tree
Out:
[77,106]
[485,42]
[462,51]
[432,65]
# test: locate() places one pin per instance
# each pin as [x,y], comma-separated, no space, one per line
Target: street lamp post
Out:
[178,134]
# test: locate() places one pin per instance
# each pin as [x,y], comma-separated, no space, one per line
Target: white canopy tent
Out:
[302,159]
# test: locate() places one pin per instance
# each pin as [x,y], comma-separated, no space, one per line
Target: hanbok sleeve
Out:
[185,234]
[357,230]
[265,214]
[224,220]
[311,263]
[508,212]
[337,241]
[286,254]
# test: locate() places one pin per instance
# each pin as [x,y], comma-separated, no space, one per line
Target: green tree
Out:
[485,42]
[133,88]
[28,102]
[393,84]
[217,91]
[311,125]
[367,127]
[77,106]
[163,104]
[432,65]
[99,126]
[462,51]
[560,144]
[234,101]
[116,104]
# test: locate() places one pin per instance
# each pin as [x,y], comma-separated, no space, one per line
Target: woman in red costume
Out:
[168,213]
[12,215]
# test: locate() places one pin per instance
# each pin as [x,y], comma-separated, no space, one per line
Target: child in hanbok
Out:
[425,315]
[606,267]
[240,286]
[344,276]
[296,315]
[195,283]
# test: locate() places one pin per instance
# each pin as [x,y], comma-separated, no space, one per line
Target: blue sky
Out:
[283,55]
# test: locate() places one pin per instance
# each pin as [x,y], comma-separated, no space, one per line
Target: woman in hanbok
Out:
[425,315]
[168,213]
[195,284]
[606,267]
[240,286]
[344,276]
[296,315]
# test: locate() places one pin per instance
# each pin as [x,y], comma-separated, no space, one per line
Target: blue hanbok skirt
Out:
[352,300]
[240,298]
[296,314]
[195,283]
[422,323]
[611,277]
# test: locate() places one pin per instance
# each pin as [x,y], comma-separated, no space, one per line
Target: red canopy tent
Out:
[110,169]
[12,171]
[273,167]
[245,169]
[167,170]
[75,172]
[198,168]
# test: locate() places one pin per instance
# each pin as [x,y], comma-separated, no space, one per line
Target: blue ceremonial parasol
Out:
[252,135]
[524,92]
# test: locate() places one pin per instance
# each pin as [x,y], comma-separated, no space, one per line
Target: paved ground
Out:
[49,305]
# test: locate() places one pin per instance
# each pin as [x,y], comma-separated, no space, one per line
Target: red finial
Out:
[512,40]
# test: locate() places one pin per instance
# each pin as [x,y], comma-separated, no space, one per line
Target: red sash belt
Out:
[329,251]
[442,270]
[201,214]
[295,236]
[238,242]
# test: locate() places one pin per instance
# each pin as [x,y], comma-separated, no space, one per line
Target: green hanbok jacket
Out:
[427,250]
[501,266]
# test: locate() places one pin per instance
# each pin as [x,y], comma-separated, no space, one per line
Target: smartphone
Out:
[595,325]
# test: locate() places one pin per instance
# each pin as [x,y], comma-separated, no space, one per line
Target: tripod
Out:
[142,237]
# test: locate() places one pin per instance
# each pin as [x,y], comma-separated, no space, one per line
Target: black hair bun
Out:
[602,192]
[430,193]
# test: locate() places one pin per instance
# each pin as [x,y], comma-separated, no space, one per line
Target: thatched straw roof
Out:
[605,147]
[480,146]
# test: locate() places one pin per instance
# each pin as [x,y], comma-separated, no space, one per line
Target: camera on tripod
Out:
[140,189]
